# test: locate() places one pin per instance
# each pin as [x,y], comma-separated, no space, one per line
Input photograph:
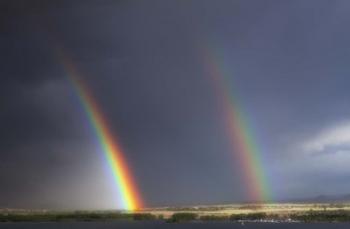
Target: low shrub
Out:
[144,216]
[213,217]
[181,217]
[250,216]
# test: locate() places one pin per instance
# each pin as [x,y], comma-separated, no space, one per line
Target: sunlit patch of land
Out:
[275,212]
[281,209]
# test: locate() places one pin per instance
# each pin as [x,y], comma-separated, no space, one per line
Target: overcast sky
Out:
[143,62]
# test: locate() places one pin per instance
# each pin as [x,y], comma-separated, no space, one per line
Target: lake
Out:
[155,224]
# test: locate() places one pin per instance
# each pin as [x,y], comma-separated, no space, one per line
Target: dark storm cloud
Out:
[37,132]
[142,61]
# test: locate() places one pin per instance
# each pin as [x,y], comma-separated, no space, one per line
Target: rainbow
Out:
[129,193]
[241,134]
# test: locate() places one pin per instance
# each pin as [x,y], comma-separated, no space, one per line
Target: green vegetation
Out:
[323,216]
[144,216]
[214,218]
[250,216]
[181,217]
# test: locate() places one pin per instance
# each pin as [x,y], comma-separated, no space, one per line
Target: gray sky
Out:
[289,61]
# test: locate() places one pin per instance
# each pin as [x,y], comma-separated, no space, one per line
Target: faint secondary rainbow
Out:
[238,128]
[129,194]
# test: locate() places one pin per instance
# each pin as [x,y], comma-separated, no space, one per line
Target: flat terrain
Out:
[281,212]
[282,209]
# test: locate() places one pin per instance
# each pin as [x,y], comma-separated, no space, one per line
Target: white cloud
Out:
[335,136]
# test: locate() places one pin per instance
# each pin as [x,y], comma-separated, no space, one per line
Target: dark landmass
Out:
[73,216]
[307,216]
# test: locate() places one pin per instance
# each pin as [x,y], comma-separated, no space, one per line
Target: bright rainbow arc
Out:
[239,131]
[113,152]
